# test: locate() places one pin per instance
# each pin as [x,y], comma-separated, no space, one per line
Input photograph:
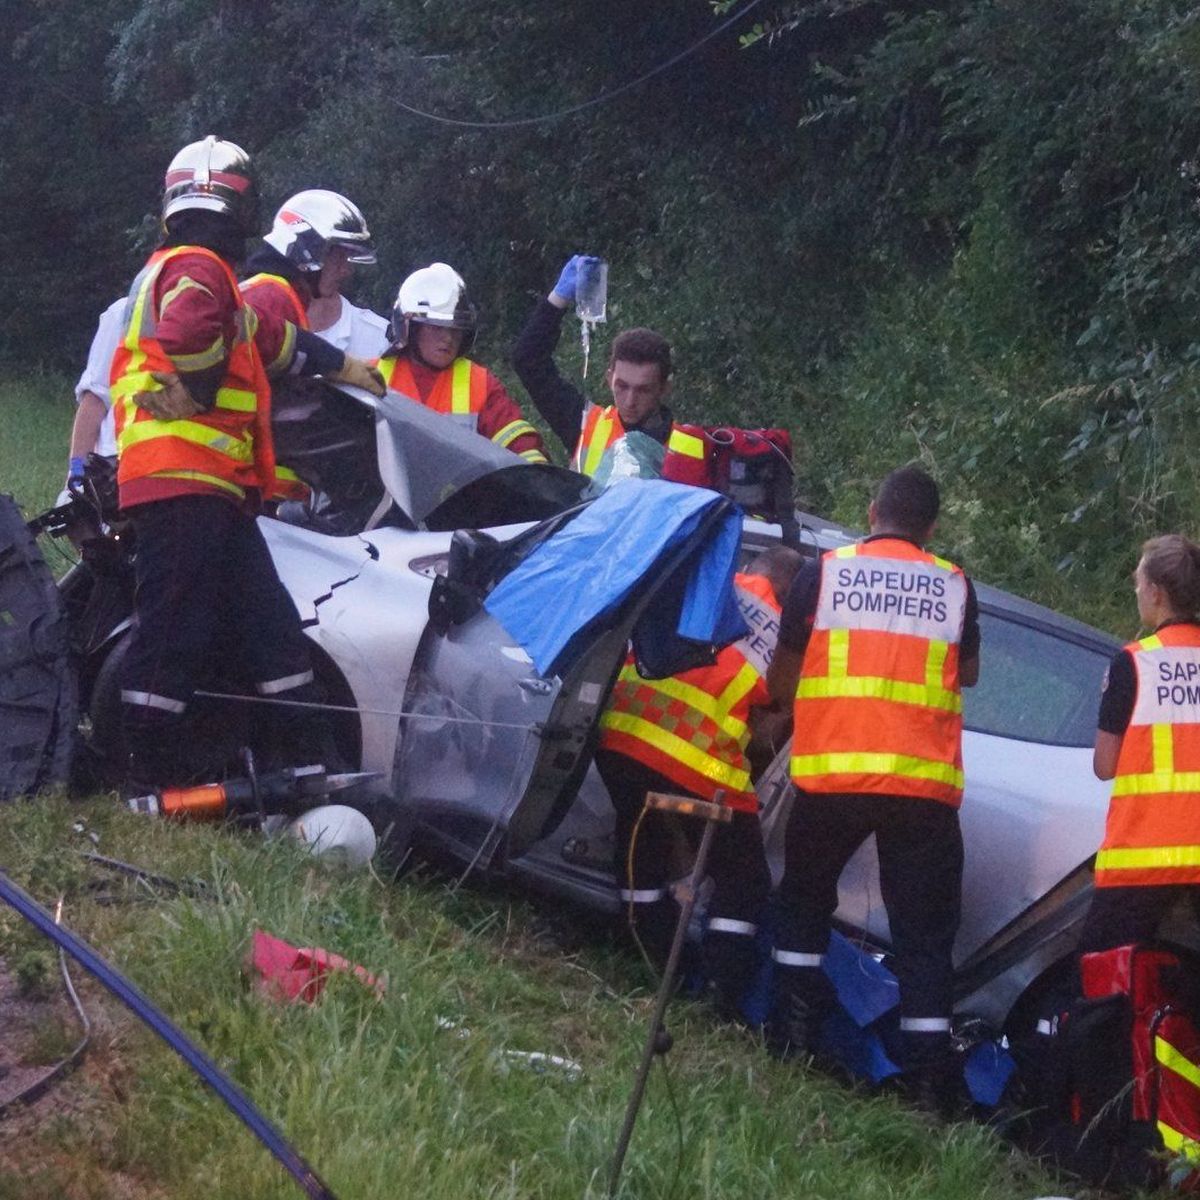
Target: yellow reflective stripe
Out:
[512,431]
[736,690]
[677,748]
[1150,784]
[533,456]
[239,449]
[202,359]
[1164,749]
[1173,1060]
[460,386]
[860,763]
[944,563]
[875,687]
[287,351]
[1177,1142]
[698,699]
[236,399]
[686,443]
[850,551]
[839,653]
[597,443]
[1153,642]
[286,473]
[1140,857]
[202,477]
[935,665]
[183,284]
[134,381]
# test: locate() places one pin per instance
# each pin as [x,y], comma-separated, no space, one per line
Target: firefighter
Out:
[431,333]
[1148,744]
[877,640]
[92,429]
[317,237]
[191,398]
[638,379]
[690,734]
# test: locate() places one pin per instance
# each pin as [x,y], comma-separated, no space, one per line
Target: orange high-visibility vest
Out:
[460,392]
[1152,834]
[878,706]
[288,485]
[227,447]
[296,312]
[601,427]
[694,727]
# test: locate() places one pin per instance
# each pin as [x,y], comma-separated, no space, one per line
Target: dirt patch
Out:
[57,1141]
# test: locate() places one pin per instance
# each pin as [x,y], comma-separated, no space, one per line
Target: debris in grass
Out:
[288,973]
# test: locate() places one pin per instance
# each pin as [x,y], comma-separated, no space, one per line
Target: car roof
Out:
[826,535]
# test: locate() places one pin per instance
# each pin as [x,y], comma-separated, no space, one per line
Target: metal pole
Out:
[660,1007]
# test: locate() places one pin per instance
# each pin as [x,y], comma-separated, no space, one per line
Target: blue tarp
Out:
[573,583]
[856,1032]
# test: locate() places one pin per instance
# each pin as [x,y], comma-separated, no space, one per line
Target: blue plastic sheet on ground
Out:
[867,993]
[576,579]
[988,1069]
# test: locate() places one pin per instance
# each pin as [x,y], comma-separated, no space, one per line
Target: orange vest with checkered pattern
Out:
[1152,835]
[878,706]
[694,727]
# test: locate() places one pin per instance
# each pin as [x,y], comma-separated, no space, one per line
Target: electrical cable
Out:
[602,98]
[71,1061]
[133,998]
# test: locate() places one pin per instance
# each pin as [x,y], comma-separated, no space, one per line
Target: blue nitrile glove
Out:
[75,474]
[564,289]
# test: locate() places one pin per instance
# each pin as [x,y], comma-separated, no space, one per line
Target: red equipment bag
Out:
[1134,1054]
[753,467]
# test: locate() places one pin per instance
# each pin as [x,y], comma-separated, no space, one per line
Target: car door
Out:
[491,753]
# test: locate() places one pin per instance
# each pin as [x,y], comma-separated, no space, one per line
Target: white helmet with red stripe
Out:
[212,175]
[312,221]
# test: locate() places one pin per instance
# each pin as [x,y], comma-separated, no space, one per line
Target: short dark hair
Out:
[908,501]
[642,346]
[778,564]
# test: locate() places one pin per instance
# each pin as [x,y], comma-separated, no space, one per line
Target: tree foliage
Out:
[964,230]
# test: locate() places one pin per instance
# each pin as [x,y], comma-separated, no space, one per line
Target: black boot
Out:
[729,963]
[791,1028]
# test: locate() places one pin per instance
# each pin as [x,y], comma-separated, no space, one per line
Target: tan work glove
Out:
[173,403]
[358,373]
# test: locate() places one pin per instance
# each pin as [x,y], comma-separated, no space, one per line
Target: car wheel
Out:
[37,682]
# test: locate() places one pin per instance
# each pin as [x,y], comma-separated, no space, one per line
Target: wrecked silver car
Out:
[482,758]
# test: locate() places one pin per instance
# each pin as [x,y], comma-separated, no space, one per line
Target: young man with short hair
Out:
[638,378]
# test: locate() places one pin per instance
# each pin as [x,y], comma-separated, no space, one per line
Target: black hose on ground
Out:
[131,996]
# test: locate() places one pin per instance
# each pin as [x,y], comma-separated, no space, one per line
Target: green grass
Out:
[383,1100]
[38,411]
[375,1093]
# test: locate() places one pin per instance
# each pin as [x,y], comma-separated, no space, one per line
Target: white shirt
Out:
[99,363]
[357,331]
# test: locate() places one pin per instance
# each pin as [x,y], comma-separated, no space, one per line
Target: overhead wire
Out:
[602,98]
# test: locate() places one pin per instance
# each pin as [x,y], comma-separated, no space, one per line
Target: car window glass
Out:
[1034,686]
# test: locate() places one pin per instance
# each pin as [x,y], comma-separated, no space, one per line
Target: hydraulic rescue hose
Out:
[129,995]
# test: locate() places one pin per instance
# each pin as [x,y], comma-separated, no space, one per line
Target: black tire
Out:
[38,699]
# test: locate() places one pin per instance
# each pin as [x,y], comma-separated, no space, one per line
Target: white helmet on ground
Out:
[312,221]
[434,295]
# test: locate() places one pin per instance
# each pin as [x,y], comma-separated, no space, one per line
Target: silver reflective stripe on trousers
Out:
[272,687]
[729,925]
[796,958]
[924,1024]
[642,896]
[151,700]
